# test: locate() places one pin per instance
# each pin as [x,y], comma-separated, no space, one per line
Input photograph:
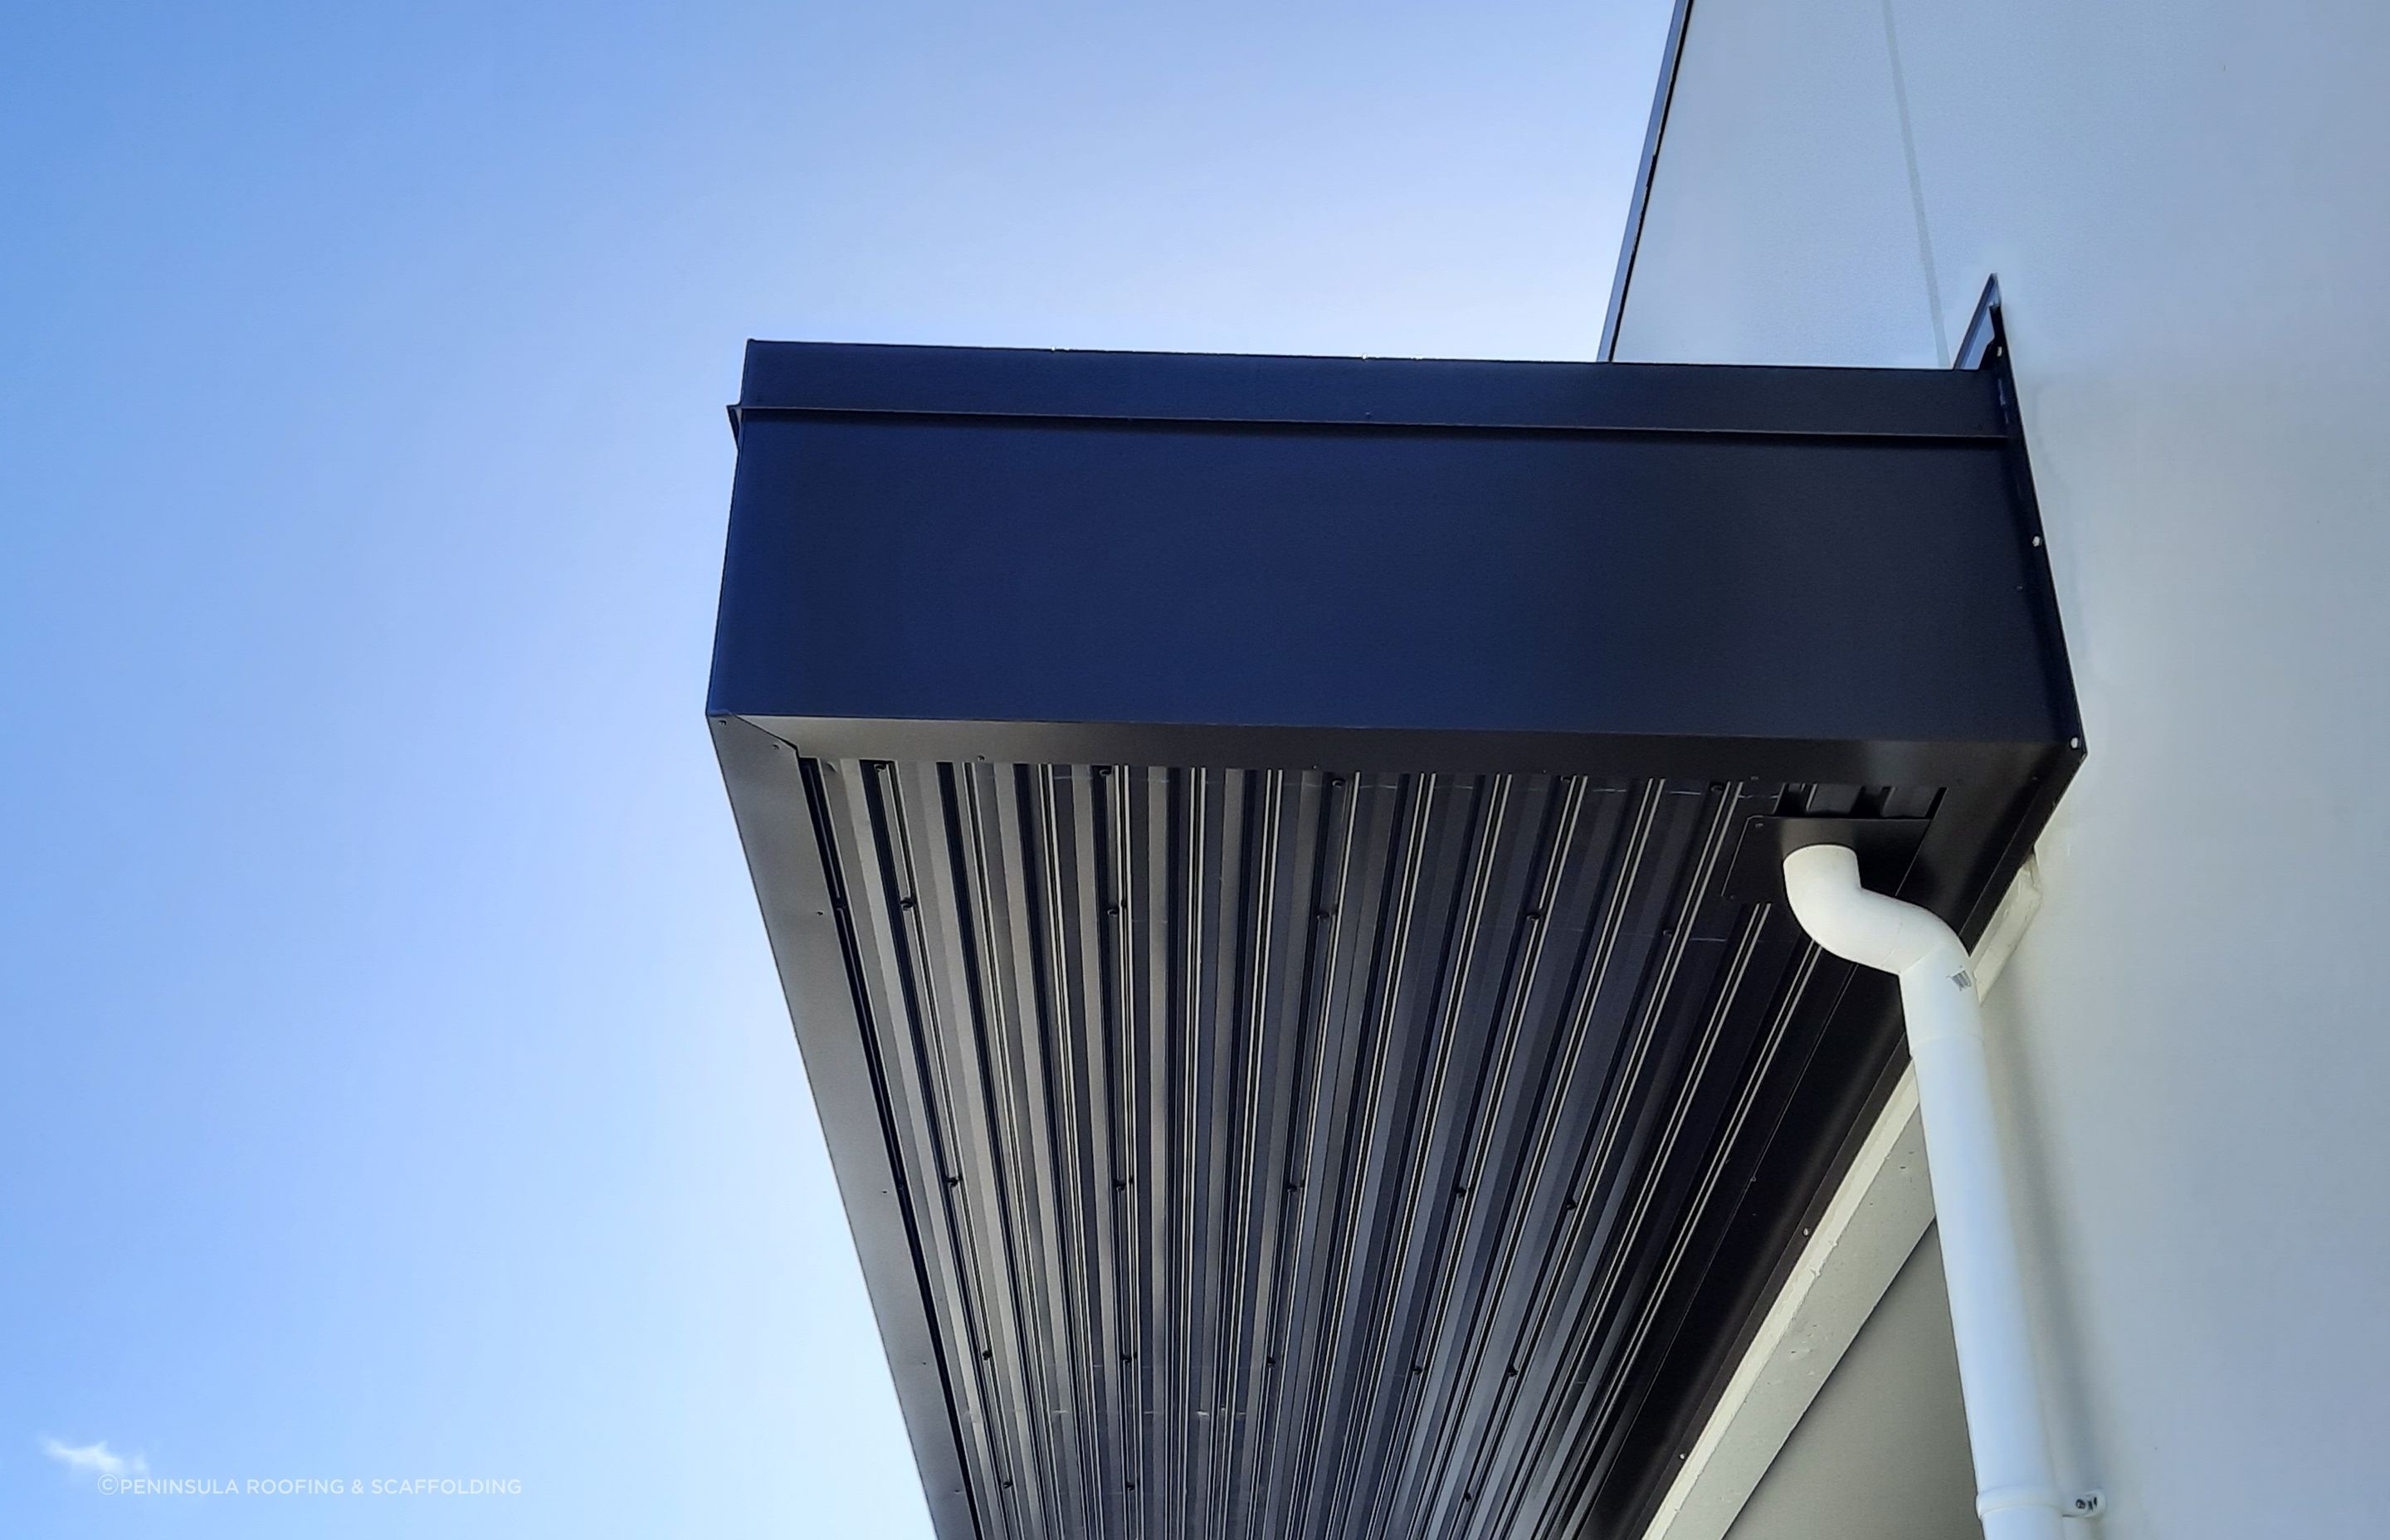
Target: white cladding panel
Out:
[1836,278]
[2188,205]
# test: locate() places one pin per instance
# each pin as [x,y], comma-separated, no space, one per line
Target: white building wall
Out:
[2188,205]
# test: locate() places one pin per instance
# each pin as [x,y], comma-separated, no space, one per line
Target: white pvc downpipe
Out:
[2016,1496]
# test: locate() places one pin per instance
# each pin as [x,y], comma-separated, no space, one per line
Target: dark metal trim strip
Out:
[1247,390]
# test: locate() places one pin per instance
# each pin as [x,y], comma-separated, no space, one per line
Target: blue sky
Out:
[396,1085]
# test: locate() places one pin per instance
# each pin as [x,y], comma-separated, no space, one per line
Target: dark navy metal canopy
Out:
[1271,860]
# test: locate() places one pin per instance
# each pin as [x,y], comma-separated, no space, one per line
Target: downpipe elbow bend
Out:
[1862,926]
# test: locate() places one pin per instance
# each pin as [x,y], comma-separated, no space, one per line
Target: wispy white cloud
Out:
[93,1459]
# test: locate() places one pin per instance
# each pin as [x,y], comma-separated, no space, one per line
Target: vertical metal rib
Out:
[1122,1038]
[1192,921]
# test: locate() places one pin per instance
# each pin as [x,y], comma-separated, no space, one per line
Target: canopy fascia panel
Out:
[1252,847]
